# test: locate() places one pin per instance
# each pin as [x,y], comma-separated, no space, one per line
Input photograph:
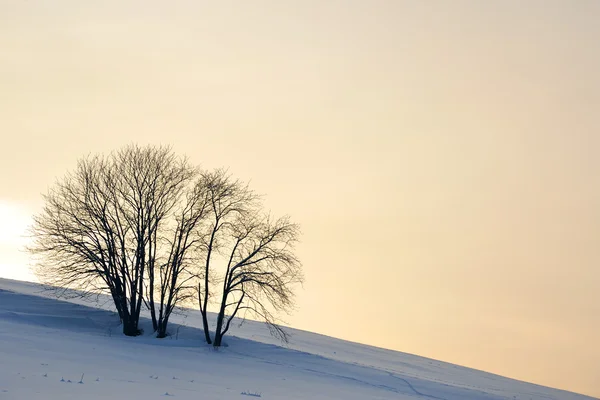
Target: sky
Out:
[441,157]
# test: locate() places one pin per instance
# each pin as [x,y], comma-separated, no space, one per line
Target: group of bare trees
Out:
[156,232]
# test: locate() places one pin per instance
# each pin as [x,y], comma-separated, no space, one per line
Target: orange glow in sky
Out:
[441,157]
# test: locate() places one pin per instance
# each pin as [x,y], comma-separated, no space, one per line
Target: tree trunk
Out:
[218,336]
[217,342]
[204,317]
[130,327]
[220,319]
[161,332]
[153,314]
[205,327]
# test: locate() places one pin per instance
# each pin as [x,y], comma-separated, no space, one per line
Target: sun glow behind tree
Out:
[14,261]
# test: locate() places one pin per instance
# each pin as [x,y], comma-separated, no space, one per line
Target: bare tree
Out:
[260,273]
[149,229]
[256,253]
[227,199]
[103,226]
[178,271]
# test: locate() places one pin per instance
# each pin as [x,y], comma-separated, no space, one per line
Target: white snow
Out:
[46,345]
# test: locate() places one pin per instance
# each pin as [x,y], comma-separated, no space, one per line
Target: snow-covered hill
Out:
[52,349]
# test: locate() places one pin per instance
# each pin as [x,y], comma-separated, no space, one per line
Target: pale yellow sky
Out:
[441,156]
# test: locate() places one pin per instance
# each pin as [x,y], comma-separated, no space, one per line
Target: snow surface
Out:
[46,345]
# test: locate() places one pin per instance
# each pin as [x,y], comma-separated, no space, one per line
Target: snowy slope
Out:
[44,341]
